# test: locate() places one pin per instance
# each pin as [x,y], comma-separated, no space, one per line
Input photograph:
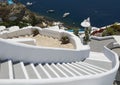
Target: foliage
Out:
[14,23]
[4,11]
[33,19]
[35,32]
[65,40]
[112,30]
[86,38]
[116,27]
[76,32]
[3,4]
[89,30]
[109,31]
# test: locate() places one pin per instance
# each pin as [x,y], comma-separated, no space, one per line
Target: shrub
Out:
[108,31]
[104,33]
[76,32]
[65,40]
[35,32]
[33,21]
[116,27]
[112,30]
[86,38]
[89,30]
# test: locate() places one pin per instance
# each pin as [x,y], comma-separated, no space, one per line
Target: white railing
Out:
[51,33]
[28,41]
[27,53]
[16,33]
[102,38]
[113,45]
[111,54]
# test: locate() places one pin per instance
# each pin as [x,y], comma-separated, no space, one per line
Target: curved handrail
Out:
[28,53]
[102,38]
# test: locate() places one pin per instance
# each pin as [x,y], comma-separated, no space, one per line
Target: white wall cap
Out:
[13,28]
[26,27]
[53,28]
[2,28]
[98,56]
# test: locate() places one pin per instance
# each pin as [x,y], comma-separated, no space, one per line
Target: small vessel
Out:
[50,11]
[29,3]
[66,14]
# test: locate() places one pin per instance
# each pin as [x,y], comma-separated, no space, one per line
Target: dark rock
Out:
[1,20]
[13,18]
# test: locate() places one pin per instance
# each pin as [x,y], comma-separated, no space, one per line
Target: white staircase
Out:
[96,69]
[20,70]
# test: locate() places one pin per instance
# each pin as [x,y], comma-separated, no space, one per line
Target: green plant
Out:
[4,11]
[65,40]
[108,31]
[33,19]
[35,32]
[76,32]
[104,33]
[13,23]
[112,30]
[89,30]
[86,38]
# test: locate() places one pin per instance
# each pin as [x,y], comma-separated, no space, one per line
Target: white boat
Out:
[29,3]
[50,11]
[66,14]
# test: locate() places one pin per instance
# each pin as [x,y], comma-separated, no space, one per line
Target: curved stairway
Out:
[20,70]
[96,69]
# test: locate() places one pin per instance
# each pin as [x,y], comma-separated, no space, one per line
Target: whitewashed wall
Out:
[110,53]
[102,38]
[28,41]
[43,54]
[51,33]
[10,34]
[27,53]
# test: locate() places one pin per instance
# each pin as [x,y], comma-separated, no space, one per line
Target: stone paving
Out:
[97,46]
[48,41]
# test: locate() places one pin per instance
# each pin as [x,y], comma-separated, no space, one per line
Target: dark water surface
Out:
[101,12]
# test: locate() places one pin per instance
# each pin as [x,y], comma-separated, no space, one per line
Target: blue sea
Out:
[101,12]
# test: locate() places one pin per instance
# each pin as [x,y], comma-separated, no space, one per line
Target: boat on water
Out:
[29,3]
[66,14]
[50,11]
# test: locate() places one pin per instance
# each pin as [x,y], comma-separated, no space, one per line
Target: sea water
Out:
[101,12]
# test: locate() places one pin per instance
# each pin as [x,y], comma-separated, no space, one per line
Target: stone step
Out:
[31,71]
[42,72]
[20,71]
[6,71]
